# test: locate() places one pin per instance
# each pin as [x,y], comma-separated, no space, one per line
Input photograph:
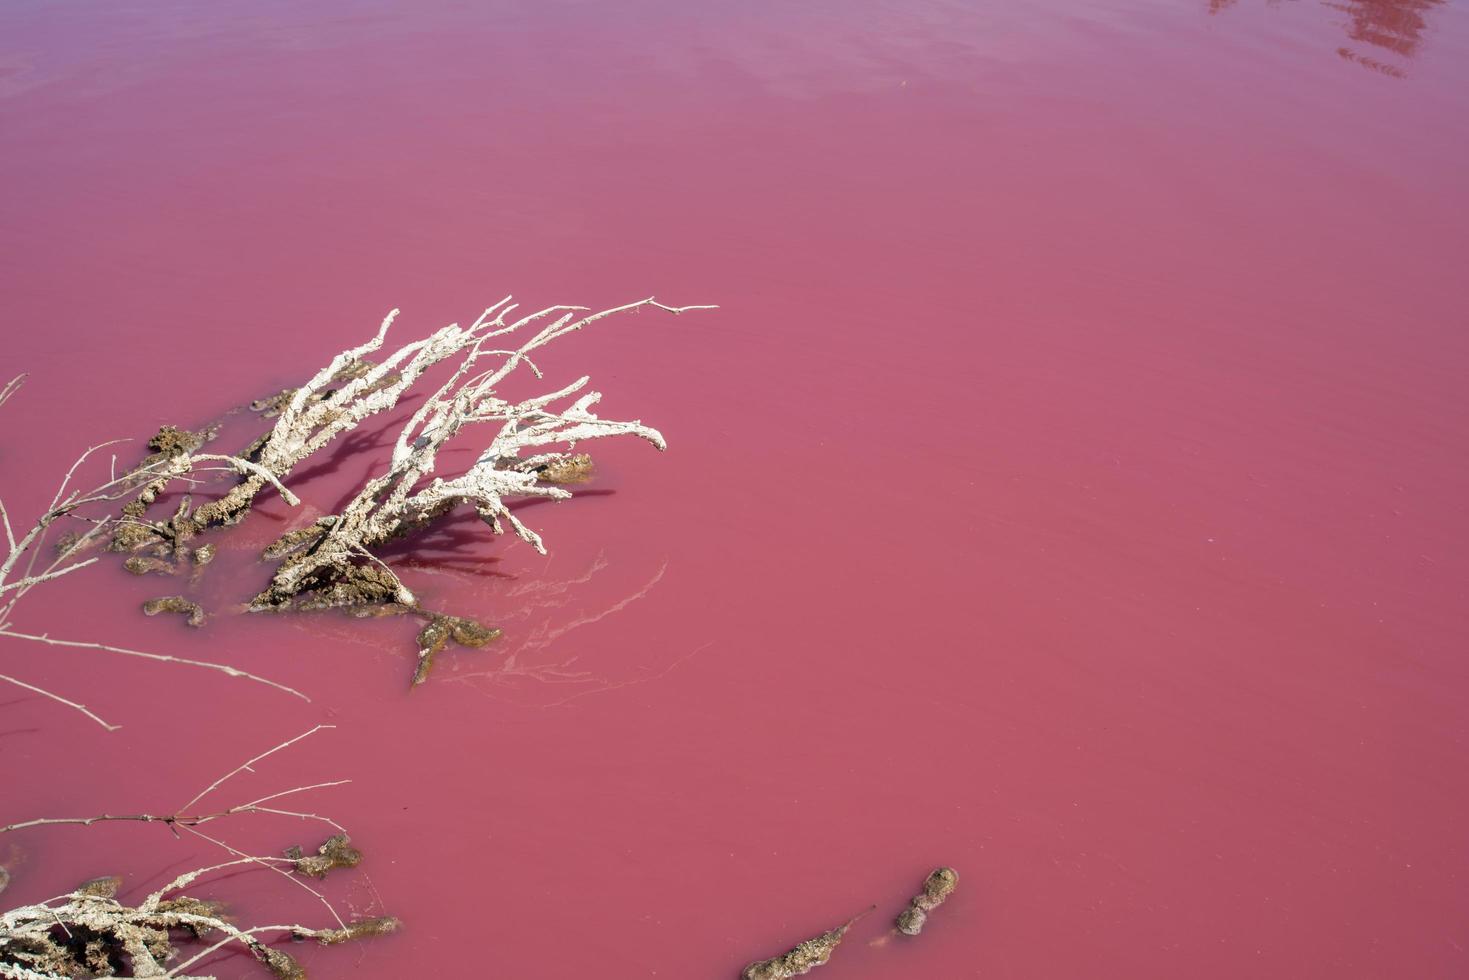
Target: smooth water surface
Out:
[1069,489]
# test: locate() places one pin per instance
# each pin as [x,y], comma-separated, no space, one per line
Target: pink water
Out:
[1070,488]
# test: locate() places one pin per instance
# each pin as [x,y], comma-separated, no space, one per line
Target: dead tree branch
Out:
[327,558]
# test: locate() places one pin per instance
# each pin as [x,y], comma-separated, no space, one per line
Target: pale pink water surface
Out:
[1069,489]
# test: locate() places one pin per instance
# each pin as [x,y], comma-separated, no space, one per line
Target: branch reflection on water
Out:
[1392,29]
[538,660]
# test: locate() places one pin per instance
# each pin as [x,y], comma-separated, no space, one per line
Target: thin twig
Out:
[180,819]
[245,767]
[159,657]
[56,697]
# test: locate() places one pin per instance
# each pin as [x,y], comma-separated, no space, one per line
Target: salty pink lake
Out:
[1068,489]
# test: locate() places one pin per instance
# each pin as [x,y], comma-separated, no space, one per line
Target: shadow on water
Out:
[461,542]
[1379,29]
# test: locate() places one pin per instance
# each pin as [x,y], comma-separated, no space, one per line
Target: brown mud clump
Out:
[173,441]
[175,604]
[145,564]
[133,532]
[576,468]
[937,887]
[336,852]
[802,959]
[433,637]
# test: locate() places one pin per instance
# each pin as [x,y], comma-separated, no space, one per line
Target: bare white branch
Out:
[246,766]
[396,501]
[158,657]
[11,387]
[58,698]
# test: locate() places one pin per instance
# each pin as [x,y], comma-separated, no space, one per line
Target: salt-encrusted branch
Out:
[248,468]
[19,571]
[97,930]
[391,504]
[326,406]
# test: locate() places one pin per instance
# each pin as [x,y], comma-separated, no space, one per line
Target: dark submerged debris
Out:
[336,852]
[802,959]
[938,886]
[438,632]
[176,604]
